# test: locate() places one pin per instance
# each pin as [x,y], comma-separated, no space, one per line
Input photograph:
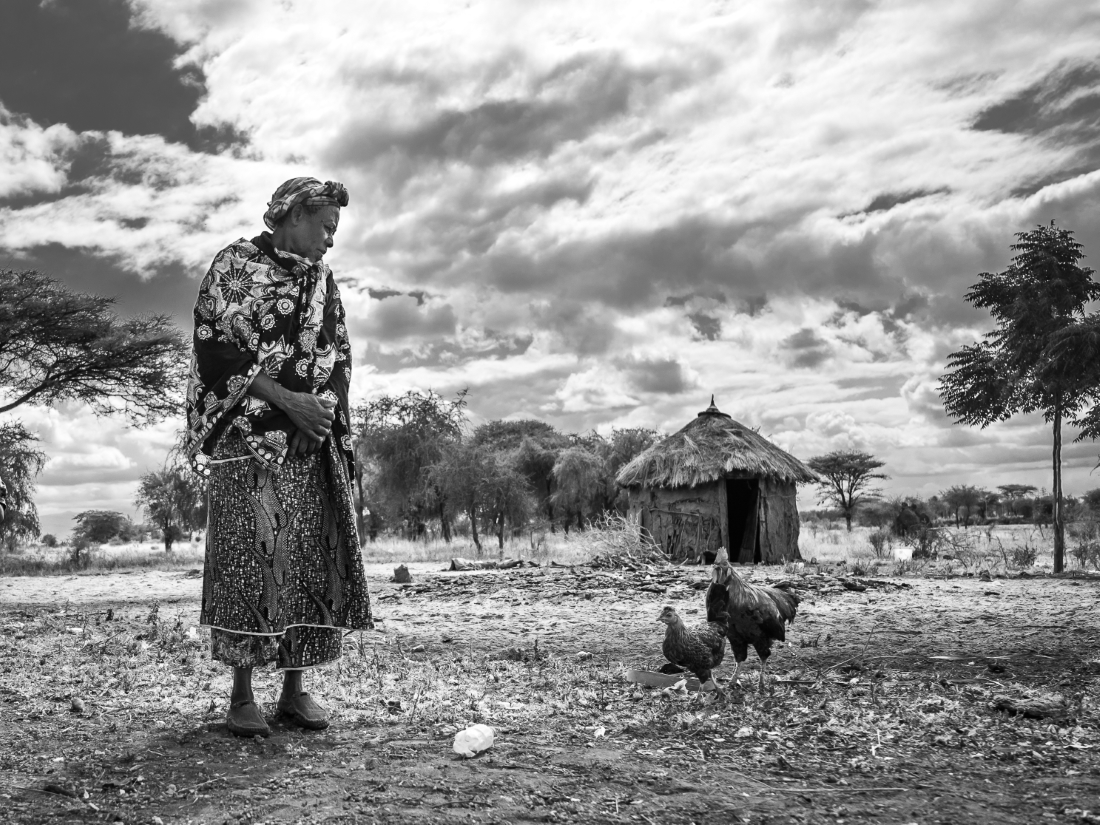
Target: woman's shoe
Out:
[303,711]
[245,718]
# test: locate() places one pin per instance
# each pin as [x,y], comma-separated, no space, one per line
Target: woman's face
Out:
[311,236]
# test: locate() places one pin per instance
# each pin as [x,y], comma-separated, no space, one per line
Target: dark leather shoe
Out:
[301,710]
[245,718]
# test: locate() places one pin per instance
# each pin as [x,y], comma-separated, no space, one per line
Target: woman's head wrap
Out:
[309,191]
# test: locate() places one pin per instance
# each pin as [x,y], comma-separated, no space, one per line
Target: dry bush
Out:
[1085,543]
[880,543]
[619,541]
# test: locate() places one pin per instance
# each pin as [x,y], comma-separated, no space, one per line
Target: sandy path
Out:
[139,586]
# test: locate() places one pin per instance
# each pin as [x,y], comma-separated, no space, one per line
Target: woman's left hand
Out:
[301,443]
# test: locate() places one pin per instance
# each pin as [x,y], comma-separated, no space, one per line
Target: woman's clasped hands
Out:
[312,417]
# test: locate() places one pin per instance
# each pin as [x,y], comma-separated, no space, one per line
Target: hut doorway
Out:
[742,506]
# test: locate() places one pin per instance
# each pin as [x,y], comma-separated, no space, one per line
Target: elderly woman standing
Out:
[268,425]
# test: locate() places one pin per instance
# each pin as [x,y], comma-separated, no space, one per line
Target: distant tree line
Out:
[422,469]
[965,505]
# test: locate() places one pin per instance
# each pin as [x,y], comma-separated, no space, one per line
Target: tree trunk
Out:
[167,537]
[1059,526]
[443,525]
[848,519]
[550,507]
[500,530]
[473,530]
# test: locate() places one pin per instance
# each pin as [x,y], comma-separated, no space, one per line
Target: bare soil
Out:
[884,706]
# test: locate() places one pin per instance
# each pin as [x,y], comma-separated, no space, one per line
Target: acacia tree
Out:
[486,485]
[173,499]
[20,462]
[458,474]
[847,480]
[1037,358]
[1012,494]
[402,436]
[964,497]
[578,481]
[620,449]
[534,447]
[58,345]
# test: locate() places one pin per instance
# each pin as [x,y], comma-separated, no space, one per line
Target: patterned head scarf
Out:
[303,190]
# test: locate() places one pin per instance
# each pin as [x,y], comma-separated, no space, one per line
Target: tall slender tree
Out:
[1036,359]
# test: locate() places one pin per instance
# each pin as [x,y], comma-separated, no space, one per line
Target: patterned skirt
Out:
[282,552]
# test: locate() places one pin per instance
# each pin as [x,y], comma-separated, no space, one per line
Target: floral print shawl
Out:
[262,309]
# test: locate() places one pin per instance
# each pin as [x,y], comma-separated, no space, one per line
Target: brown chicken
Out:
[699,649]
[755,615]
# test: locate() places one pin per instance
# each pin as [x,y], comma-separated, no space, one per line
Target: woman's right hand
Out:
[311,414]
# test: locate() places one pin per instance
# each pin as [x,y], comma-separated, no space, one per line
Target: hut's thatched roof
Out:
[710,447]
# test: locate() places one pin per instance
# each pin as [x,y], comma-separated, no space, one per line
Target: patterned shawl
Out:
[263,309]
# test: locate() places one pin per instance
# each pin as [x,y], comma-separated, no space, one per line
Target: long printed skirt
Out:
[284,573]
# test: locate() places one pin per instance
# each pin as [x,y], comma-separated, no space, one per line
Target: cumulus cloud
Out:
[594,214]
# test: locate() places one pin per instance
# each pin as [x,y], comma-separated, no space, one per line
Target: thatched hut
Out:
[717,483]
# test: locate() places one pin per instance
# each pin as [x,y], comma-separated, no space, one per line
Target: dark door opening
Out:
[741,504]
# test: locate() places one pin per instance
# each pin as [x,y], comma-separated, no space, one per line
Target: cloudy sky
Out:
[594,214]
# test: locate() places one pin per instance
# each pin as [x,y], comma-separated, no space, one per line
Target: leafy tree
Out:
[20,462]
[847,480]
[1013,495]
[620,449]
[1037,358]
[100,526]
[459,474]
[506,496]
[486,485]
[402,436]
[173,499]
[966,498]
[534,447]
[578,479]
[1092,499]
[58,345]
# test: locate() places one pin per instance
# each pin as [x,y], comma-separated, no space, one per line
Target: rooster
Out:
[699,649]
[755,615]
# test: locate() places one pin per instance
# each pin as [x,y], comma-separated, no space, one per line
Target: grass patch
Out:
[38,560]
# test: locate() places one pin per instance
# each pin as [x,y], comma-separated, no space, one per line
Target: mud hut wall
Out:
[684,521]
[779,527]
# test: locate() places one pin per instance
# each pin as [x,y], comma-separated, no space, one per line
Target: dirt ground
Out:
[884,706]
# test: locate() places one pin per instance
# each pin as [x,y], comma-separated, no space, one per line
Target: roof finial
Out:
[713,410]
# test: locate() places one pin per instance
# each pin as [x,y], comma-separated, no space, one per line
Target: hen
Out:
[699,649]
[755,615]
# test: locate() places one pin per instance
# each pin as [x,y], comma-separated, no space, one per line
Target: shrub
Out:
[1024,555]
[880,542]
[1085,543]
[924,541]
[49,540]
